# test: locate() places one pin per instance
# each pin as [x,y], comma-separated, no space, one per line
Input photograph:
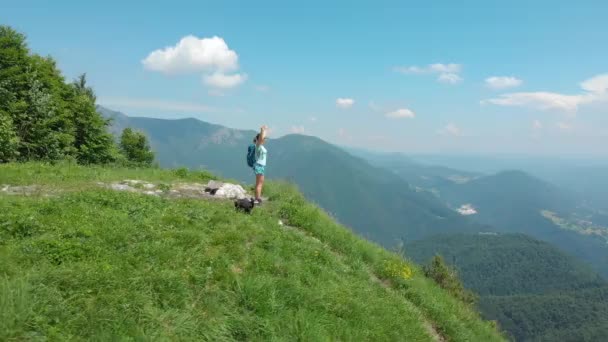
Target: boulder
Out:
[231,191]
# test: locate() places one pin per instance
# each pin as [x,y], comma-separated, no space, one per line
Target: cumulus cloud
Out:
[451,130]
[596,85]
[448,73]
[429,69]
[502,82]
[210,56]
[193,54]
[466,209]
[221,80]
[595,89]
[297,129]
[401,113]
[449,78]
[344,102]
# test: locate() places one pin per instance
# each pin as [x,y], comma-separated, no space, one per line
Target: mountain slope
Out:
[534,290]
[375,203]
[421,175]
[513,201]
[84,262]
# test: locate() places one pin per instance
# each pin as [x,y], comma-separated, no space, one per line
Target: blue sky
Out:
[526,77]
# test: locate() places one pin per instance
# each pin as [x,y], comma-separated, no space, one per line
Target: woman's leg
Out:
[259,183]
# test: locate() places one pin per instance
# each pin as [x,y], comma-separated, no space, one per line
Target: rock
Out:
[214,185]
[231,191]
[25,190]
[132,181]
[121,187]
[211,190]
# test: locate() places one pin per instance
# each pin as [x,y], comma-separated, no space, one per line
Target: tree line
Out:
[45,118]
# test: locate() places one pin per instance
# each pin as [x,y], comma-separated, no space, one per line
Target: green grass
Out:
[93,264]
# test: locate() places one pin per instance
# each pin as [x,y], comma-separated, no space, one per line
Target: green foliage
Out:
[9,141]
[447,278]
[534,290]
[94,143]
[41,116]
[94,264]
[134,145]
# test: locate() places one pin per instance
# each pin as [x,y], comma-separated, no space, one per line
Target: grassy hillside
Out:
[513,201]
[80,262]
[373,201]
[534,290]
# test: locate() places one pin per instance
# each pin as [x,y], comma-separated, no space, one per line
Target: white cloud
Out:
[401,113]
[430,69]
[536,124]
[192,54]
[466,209]
[221,80]
[174,106]
[541,100]
[210,56]
[448,73]
[313,119]
[563,126]
[344,102]
[595,90]
[502,82]
[451,129]
[449,78]
[597,84]
[297,129]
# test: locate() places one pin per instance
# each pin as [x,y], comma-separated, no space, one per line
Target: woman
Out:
[260,163]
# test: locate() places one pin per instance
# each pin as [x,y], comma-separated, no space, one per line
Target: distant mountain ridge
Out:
[514,201]
[374,202]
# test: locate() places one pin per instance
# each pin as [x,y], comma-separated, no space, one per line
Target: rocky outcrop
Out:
[211,190]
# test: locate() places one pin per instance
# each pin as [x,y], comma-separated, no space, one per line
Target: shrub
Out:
[447,278]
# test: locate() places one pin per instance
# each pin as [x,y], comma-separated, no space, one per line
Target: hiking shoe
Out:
[257,201]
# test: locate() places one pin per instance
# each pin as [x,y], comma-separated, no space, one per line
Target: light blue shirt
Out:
[260,155]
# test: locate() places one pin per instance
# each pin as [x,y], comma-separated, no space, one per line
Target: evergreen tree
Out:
[43,117]
[93,143]
[135,147]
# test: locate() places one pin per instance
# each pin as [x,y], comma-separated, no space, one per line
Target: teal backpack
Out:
[251,155]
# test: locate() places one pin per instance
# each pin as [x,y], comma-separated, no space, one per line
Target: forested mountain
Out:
[514,201]
[374,202]
[427,176]
[533,289]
